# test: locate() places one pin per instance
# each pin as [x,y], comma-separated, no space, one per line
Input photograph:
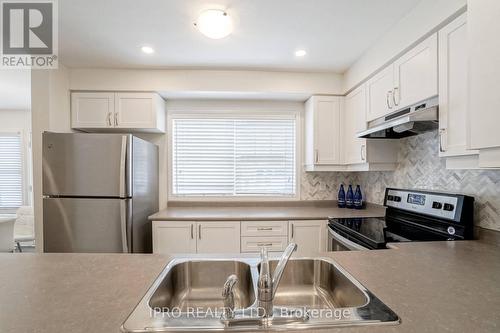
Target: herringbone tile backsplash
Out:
[420,168]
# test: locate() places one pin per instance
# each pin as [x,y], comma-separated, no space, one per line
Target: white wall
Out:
[50,112]
[426,17]
[179,81]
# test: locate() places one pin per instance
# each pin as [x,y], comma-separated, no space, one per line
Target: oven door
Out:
[337,242]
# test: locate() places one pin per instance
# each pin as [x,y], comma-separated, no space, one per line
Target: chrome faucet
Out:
[228,297]
[268,284]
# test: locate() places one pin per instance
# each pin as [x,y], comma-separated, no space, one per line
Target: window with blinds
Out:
[11,172]
[233,157]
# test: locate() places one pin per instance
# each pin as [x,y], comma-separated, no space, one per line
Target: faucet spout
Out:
[280,268]
[268,284]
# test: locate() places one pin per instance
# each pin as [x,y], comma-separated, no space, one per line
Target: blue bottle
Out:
[358,198]
[349,198]
[341,197]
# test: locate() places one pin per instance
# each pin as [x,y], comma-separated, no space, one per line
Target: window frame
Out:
[25,171]
[186,114]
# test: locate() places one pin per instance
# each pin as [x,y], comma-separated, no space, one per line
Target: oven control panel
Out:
[439,205]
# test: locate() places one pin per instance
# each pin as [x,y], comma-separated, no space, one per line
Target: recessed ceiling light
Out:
[300,53]
[147,49]
[214,23]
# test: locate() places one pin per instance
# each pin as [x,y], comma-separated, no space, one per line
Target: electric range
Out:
[411,215]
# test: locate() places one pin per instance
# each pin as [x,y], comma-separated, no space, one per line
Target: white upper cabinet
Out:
[379,94]
[322,127]
[416,74]
[410,79]
[331,142]
[483,28]
[101,111]
[362,154]
[453,90]
[92,110]
[354,122]
[140,110]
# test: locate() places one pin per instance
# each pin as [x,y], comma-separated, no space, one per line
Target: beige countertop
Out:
[259,211]
[433,287]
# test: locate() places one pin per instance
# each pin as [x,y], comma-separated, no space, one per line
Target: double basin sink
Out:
[313,293]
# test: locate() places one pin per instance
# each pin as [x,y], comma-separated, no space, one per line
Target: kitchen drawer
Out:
[254,244]
[264,228]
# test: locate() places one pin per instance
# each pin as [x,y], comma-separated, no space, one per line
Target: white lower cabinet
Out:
[309,235]
[185,237]
[272,243]
[218,237]
[172,237]
[255,235]
[264,228]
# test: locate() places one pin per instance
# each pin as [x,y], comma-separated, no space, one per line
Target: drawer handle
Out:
[264,229]
[264,244]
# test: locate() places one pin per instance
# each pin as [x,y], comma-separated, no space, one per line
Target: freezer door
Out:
[87,165]
[86,225]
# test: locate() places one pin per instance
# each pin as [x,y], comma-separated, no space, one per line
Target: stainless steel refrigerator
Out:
[99,190]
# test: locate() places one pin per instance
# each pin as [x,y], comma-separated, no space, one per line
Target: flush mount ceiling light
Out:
[300,53]
[147,49]
[214,23]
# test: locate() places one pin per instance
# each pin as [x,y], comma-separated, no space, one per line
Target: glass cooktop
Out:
[368,230]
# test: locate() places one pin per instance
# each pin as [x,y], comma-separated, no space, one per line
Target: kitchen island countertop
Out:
[433,287]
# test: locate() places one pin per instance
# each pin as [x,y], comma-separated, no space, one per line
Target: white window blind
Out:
[234,157]
[11,172]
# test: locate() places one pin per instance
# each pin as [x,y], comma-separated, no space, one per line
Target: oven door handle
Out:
[346,242]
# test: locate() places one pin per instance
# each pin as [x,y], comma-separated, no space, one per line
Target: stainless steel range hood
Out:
[419,118]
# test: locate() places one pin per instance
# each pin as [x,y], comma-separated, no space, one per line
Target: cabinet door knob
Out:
[316,156]
[363,157]
[116,119]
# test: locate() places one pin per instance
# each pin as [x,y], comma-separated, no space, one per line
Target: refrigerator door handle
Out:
[123,222]
[123,161]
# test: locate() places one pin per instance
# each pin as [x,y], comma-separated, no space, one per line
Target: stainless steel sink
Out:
[313,293]
[316,284]
[198,284]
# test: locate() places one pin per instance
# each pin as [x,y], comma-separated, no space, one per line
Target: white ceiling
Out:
[15,89]
[97,33]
